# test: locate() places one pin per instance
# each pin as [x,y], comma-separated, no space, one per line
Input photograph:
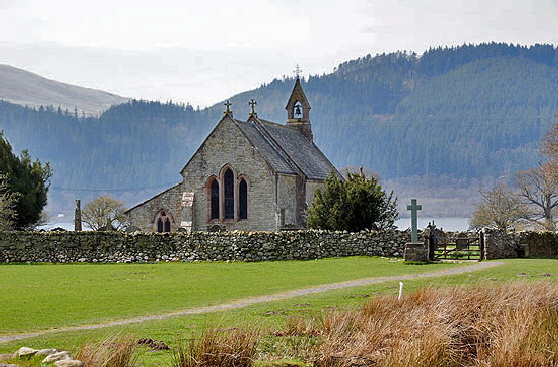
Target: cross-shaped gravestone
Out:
[414,208]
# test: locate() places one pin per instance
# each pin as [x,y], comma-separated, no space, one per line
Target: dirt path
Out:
[255,300]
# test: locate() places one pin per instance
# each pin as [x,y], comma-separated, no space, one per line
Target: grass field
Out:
[37,297]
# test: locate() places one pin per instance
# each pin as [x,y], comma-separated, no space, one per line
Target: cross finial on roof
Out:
[297,71]
[228,110]
[253,104]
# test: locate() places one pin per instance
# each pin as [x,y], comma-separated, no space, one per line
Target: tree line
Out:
[466,112]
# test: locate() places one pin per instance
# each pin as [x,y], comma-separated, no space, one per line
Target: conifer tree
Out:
[28,183]
[354,204]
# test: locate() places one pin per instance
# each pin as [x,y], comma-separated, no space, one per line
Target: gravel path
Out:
[255,300]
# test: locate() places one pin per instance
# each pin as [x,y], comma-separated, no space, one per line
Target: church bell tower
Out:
[298,111]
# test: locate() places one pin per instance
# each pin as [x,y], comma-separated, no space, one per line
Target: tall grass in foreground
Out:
[512,325]
[226,348]
[113,351]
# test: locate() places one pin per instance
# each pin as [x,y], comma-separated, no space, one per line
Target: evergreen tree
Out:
[28,180]
[354,204]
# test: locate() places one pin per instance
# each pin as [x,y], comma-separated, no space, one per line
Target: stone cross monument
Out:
[414,208]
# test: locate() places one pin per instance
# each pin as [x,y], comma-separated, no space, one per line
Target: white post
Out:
[400,291]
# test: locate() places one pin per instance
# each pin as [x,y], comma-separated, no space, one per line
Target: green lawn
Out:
[92,293]
[73,294]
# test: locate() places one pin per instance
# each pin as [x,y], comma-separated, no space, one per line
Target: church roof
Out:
[286,148]
[266,148]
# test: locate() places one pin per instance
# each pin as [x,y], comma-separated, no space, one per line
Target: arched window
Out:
[215,199]
[229,194]
[242,199]
[163,221]
[297,110]
[167,226]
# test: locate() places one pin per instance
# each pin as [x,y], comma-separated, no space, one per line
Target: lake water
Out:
[447,224]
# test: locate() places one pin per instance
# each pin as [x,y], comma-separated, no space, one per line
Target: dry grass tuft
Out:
[512,325]
[113,351]
[218,348]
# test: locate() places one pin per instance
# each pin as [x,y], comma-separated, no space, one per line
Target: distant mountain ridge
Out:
[22,87]
[435,126]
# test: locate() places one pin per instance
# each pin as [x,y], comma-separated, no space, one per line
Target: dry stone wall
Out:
[502,245]
[234,246]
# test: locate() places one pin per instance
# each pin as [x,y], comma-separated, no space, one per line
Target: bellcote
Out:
[298,111]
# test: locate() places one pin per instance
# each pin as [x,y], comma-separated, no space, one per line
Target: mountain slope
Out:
[432,126]
[24,88]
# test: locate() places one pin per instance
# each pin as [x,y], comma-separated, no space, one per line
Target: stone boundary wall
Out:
[62,247]
[502,245]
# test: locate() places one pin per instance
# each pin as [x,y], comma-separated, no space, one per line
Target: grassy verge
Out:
[276,315]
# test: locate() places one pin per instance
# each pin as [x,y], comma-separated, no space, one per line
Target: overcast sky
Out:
[205,51]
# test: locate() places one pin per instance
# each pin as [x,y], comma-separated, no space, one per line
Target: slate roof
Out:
[265,146]
[286,148]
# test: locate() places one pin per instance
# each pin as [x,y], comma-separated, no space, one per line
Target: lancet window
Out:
[227,196]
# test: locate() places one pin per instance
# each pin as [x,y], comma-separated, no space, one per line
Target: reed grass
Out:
[510,325]
[113,351]
[218,348]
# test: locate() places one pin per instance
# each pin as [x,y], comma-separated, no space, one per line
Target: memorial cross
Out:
[414,208]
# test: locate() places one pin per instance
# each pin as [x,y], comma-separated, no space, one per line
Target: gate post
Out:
[481,245]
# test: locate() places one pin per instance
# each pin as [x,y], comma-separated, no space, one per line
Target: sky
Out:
[202,52]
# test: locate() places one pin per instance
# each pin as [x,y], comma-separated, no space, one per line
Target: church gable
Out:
[231,181]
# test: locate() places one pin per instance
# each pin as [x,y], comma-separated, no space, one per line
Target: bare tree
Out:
[104,213]
[499,208]
[549,146]
[538,187]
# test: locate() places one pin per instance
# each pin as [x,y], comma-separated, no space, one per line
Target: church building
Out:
[252,175]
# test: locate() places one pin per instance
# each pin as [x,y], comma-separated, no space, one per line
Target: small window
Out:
[243,200]
[163,221]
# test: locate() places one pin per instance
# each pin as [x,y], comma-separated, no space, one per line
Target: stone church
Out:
[252,175]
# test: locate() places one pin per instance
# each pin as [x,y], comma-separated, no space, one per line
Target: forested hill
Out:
[468,114]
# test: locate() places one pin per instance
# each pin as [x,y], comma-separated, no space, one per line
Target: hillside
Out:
[435,127]
[28,89]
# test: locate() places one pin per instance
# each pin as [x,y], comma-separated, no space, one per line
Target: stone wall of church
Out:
[227,145]
[311,187]
[287,198]
[143,216]
[96,247]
